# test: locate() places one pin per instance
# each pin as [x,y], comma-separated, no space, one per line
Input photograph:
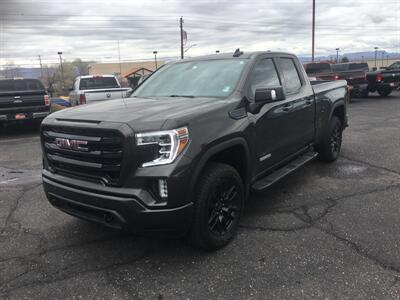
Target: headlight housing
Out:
[170,142]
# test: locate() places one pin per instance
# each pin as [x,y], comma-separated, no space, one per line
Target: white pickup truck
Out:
[93,88]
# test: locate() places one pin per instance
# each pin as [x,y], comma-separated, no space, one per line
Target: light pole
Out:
[337,55]
[376,53]
[61,69]
[383,55]
[217,51]
[155,58]
[187,49]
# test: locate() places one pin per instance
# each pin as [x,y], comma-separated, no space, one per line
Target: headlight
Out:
[170,142]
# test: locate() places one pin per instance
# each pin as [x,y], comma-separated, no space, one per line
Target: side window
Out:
[290,74]
[264,75]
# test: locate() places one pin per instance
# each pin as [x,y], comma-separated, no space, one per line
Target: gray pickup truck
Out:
[182,154]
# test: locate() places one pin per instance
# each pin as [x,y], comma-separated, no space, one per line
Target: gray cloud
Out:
[90,28]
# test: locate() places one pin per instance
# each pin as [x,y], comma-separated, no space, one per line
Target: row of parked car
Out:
[22,98]
[359,79]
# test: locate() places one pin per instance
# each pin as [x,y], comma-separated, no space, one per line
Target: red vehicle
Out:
[320,70]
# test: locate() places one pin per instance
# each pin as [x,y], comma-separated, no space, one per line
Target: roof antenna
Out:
[237,53]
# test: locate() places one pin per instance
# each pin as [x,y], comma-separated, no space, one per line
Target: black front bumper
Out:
[114,210]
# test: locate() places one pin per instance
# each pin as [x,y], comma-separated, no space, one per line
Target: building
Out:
[122,68]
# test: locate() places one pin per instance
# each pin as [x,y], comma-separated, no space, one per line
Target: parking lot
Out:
[327,231]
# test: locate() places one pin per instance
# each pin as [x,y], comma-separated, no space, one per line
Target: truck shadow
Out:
[20,129]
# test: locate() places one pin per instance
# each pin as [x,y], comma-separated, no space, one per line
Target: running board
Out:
[277,175]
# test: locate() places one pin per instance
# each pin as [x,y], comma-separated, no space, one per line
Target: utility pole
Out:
[41,67]
[337,55]
[313,32]
[61,69]
[155,58]
[181,27]
[376,53]
[383,54]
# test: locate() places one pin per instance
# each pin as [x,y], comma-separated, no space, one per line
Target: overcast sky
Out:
[90,29]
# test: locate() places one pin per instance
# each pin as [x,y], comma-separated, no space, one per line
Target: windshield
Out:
[318,68]
[98,82]
[208,78]
[11,85]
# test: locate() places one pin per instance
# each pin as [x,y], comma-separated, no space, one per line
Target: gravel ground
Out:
[325,232]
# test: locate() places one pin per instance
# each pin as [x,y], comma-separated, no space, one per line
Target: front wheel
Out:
[384,92]
[218,206]
[329,148]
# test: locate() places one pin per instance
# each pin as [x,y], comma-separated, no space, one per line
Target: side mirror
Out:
[269,95]
[263,96]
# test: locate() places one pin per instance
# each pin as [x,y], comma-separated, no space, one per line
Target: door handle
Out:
[287,107]
[309,101]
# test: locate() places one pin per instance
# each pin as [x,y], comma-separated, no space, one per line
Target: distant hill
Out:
[368,55]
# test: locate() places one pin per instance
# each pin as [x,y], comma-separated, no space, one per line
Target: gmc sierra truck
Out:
[23,99]
[182,154]
[384,81]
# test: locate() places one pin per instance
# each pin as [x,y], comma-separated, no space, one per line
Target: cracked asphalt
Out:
[325,232]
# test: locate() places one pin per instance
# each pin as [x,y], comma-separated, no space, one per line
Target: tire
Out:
[384,92]
[218,207]
[329,149]
[364,94]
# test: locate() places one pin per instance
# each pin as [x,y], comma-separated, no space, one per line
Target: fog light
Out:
[163,188]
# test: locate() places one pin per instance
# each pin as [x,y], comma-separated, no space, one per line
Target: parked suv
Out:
[182,154]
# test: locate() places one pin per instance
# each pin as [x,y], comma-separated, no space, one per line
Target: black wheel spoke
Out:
[223,205]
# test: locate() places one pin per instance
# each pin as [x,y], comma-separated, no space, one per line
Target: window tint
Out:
[98,82]
[340,67]
[11,85]
[264,75]
[314,68]
[289,72]
[203,78]
[394,66]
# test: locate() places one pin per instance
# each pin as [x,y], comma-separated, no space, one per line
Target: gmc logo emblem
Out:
[71,144]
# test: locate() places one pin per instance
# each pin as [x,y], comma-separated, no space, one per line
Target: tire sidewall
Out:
[210,178]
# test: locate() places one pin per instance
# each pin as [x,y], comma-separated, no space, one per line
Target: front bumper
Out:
[117,210]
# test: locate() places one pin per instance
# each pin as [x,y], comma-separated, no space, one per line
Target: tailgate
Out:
[21,99]
[106,94]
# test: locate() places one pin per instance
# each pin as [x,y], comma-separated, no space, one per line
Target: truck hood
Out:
[142,113]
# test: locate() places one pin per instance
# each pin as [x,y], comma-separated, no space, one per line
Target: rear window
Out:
[13,85]
[98,82]
[340,67]
[358,66]
[318,68]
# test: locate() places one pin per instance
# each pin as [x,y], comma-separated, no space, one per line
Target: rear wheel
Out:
[218,206]
[329,149]
[384,92]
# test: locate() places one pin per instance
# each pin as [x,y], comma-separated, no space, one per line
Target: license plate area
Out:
[20,116]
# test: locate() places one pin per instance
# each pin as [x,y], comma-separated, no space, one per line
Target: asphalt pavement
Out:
[329,231]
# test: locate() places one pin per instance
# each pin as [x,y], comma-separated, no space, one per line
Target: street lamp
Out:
[376,53]
[187,49]
[61,69]
[155,58]
[217,51]
[337,55]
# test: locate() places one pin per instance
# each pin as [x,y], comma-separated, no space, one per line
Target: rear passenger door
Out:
[300,106]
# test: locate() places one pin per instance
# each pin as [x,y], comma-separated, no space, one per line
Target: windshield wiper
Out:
[183,96]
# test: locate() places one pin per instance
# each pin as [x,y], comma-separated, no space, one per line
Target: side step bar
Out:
[292,166]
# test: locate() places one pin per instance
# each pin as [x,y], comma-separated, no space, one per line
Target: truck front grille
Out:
[93,156]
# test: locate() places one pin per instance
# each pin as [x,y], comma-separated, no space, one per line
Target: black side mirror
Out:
[269,95]
[263,96]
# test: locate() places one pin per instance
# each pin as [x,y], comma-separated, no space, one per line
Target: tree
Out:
[345,59]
